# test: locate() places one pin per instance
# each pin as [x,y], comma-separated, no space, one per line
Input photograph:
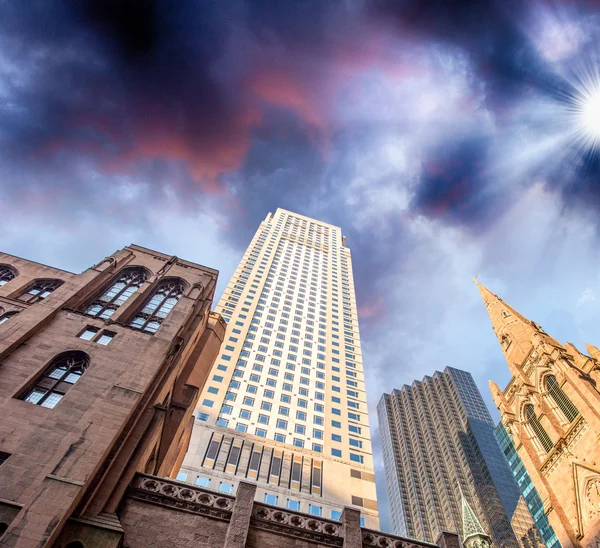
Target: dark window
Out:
[7,273]
[3,457]
[39,290]
[124,286]
[562,400]
[537,428]
[64,371]
[7,316]
[159,306]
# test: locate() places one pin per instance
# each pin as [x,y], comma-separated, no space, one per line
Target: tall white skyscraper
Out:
[285,404]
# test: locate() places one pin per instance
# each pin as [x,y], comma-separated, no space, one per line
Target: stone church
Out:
[100,373]
[551,409]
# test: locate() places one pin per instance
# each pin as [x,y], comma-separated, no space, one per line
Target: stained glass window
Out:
[159,306]
[128,282]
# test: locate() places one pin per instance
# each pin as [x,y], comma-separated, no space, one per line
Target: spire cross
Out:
[474,279]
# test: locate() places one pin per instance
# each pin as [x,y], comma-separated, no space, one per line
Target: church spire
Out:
[473,533]
[517,335]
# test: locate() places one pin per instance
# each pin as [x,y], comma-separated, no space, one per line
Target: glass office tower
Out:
[285,404]
[438,438]
[529,492]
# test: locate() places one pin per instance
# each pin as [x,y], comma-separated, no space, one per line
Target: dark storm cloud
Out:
[455,186]
[488,32]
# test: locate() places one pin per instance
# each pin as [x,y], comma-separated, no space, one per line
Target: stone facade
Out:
[99,378]
[551,410]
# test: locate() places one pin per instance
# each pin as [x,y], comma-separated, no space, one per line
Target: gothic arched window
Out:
[7,316]
[159,306]
[39,290]
[562,400]
[7,273]
[124,286]
[62,373]
[537,428]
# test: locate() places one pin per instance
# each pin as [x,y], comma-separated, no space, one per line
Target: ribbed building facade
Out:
[285,405]
[532,498]
[438,439]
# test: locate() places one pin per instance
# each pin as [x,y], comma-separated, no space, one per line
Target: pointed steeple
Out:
[517,335]
[473,533]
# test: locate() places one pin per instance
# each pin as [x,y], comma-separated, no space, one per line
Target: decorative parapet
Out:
[181,496]
[196,500]
[371,537]
[296,525]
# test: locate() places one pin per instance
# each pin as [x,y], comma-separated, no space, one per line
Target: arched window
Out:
[39,290]
[562,400]
[124,286]
[7,316]
[7,273]
[64,371]
[159,306]
[537,428]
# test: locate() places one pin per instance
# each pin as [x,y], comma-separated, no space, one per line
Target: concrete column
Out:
[448,540]
[351,528]
[237,531]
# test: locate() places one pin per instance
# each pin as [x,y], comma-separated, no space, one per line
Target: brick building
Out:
[99,375]
[551,410]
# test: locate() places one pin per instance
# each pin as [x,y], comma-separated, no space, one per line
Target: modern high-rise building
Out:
[550,409]
[530,495]
[285,405]
[438,439]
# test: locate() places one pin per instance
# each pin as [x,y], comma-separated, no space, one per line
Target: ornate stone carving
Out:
[181,497]
[383,540]
[296,525]
[563,447]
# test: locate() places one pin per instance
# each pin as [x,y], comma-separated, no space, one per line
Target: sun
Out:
[585,112]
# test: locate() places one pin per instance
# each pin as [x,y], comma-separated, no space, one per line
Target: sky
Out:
[448,139]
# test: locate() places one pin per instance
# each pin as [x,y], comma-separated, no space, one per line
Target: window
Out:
[203,416]
[105,338]
[355,443]
[336,452]
[7,316]
[315,510]
[336,515]
[226,488]
[538,429]
[266,406]
[336,437]
[245,414]
[159,306]
[353,416]
[226,409]
[281,424]
[202,481]
[39,290]
[271,499]
[336,424]
[562,400]
[7,273]
[298,442]
[300,429]
[317,447]
[223,423]
[357,458]
[354,428]
[293,505]
[124,286]
[182,476]
[64,371]
[240,427]
[213,390]
[88,333]
[279,437]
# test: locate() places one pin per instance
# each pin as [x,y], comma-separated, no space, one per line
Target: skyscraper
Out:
[529,492]
[285,405]
[438,439]
[550,410]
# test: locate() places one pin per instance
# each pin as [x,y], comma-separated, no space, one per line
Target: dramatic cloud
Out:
[440,135]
